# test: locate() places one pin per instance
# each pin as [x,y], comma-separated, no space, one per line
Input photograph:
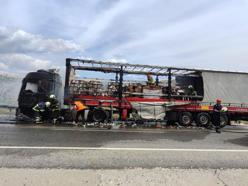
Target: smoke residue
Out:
[10,87]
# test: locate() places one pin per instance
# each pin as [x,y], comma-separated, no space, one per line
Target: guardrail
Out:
[10,107]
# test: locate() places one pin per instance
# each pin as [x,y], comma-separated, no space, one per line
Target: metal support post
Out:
[120,92]
[169,84]
[157,80]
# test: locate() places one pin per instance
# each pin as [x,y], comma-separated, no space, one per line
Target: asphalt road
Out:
[23,146]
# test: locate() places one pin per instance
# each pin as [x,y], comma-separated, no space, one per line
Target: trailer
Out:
[170,98]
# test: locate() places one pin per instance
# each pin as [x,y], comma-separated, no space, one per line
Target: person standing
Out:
[80,108]
[217,114]
[54,109]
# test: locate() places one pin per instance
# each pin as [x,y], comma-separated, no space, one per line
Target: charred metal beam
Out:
[118,65]
[67,77]
[120,92]
[157,80]
[115,70]
[169,84]
[127,64]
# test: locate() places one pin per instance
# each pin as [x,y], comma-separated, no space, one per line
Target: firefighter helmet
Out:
[47,104]
[218,100]
[52,96]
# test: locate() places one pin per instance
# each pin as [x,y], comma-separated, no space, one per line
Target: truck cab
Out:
[36,87]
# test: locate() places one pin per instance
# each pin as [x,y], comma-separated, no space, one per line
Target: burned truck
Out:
[122,91]
[36,87]
[137,93]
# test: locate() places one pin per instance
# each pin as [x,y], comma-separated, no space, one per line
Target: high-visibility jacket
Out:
[40,107]
[79,106]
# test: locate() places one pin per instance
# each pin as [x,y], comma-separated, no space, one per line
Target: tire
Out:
[67,114]
[223,120]
[185,118]
[99,115]
[89,116]
[203,119]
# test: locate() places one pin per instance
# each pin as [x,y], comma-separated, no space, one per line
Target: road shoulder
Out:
[136,176]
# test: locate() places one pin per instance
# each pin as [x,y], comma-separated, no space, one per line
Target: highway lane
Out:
[73,147]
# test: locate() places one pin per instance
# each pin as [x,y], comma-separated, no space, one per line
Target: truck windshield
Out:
[33,87]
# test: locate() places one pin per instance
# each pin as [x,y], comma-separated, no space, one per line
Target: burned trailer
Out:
[176,95]
[129,98]
[36,87]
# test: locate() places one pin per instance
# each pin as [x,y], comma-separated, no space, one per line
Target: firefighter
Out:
[191,91]
[54,109]
[217,114]
[54,102]
[150,80]
[41,111]
[80,109]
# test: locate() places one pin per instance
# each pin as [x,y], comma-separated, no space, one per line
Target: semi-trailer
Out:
[127,92]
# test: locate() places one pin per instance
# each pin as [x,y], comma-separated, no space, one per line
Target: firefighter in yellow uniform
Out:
[80,108]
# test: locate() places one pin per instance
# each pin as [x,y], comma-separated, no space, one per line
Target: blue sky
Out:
[210,34]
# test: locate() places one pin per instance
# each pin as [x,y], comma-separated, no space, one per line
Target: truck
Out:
[139,93]
[36,87]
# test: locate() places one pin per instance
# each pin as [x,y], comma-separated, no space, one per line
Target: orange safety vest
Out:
[79,105]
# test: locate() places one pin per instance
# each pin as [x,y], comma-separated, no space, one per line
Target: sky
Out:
[40,34]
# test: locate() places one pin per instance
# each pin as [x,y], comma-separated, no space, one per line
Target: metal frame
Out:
[110,67]
[125,68]
[135,68]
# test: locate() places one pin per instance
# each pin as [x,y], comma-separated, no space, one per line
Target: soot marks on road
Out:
[243,141]
[22,136]
[182,136]
[186,136]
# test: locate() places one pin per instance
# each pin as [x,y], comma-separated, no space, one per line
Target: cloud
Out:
[3,66]
[21,51]
[19,41]
[203,34]
[117,60]
[22,63]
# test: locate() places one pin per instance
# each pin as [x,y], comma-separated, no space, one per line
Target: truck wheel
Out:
[203,119]
[99,115]
[223,120]
[185,118]
[89,116]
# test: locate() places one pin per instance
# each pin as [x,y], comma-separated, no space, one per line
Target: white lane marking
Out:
[123,149]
